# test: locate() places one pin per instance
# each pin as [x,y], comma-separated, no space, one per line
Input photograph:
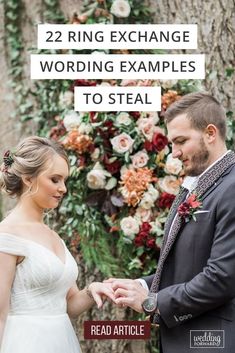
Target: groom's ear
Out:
[211,133]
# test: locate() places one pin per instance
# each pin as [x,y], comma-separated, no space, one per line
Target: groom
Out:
[194,285]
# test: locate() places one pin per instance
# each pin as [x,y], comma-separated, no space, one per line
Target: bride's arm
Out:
[79,301]
[7,274]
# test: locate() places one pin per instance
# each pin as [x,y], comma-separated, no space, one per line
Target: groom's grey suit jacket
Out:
[197,287]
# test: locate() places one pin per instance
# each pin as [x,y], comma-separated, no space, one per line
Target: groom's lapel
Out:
[216,184]
[178,200]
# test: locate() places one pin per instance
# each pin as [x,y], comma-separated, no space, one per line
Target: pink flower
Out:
[140,159]
[127,83]
[122,143]
[144,83]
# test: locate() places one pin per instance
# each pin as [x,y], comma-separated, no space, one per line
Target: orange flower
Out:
[77,142]
[169,98]
[193,202]
[135,183]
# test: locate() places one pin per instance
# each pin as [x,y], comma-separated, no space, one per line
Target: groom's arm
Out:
[148,280]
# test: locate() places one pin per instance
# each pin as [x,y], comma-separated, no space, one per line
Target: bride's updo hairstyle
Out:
[29,158]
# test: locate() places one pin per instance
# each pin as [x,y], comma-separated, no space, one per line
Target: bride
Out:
[38,274]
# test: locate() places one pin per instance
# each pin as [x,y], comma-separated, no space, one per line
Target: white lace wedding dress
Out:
[37,320]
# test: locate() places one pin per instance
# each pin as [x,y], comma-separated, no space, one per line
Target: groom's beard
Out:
[199,162]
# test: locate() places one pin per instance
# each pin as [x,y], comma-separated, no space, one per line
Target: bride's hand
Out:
[101,290]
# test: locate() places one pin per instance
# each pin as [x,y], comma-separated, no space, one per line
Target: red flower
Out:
[135,115]
[57,131]
[166,200]
[84,83]
[81,161]
[159,141]
[143,234]
[141,238]
[193,202]
[150,243]
[93,118]
[184,209]
[148,146]
[138,241]
[113,167]
[91,148]
[188,208]
[145,227]
[107,131]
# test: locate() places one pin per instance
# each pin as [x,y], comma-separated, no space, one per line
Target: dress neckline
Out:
[63,262]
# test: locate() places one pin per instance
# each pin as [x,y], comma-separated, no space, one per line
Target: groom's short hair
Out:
[201,109]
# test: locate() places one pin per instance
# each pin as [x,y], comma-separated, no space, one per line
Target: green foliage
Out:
[230,71]
[78,218]
[52,12]
[230,130]
[14,43]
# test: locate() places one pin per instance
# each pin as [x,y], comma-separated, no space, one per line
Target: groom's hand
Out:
[129,292]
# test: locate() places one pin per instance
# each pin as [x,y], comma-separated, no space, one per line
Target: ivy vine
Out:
[13,10]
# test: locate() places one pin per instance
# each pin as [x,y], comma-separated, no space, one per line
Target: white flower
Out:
[149,197]
[95,154]
[143,214]
[173,165]
[84,129]
[96,178]
[66,99]
[169,184]
[140,159]
[120,8]
[166,84]
[72,120]
[153,115]
[122,143]
[98,52]
[147,201]
[123,119]
[105,84]
[153,192]
[129,226]
[166,150]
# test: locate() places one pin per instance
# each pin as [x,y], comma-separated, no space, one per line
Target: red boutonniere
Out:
[188,208]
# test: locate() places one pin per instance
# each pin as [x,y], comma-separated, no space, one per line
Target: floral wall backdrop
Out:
[123,178]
